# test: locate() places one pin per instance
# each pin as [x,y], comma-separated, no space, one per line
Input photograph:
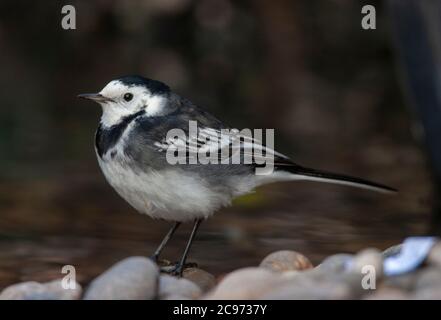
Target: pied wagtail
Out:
[137,115]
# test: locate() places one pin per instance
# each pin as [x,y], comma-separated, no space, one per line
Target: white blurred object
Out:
[412,254]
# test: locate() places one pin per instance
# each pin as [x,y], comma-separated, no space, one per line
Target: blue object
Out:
[413,253]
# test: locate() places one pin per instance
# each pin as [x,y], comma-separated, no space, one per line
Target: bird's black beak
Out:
[97,97]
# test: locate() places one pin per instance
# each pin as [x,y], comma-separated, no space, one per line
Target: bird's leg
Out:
[177,270]
[164,241]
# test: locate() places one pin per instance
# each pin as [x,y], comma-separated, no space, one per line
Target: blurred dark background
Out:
[339,98]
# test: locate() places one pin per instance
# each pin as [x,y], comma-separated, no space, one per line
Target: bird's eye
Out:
[128,96]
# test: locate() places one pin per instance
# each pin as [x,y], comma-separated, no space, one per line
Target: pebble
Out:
[387,293]
[434,257]
[176,297]
[315,274]
[427,277]
[133,278]
[246,283]
[365,259]
[336,263]
[308,289]
[41,291]
[404,282]
[171,288]
[392,251]
[433,293]
[286,260]
[282,274]
[206,281]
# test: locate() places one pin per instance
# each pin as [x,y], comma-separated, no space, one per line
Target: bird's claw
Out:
[177,269]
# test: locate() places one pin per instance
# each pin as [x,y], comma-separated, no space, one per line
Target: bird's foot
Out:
[177,268]
[160,262]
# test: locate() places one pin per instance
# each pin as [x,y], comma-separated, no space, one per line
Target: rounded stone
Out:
[41,291]
[308,289]
[403,281]
[206,281]
[246,283]
[392,251]
[286,260]
[336,263]
[433,293]
[133,278]
[368,260]
[387,293]
[434,257]
[170,286]
[428,277]
[176,297]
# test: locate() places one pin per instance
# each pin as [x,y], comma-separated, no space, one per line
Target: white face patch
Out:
[118,108]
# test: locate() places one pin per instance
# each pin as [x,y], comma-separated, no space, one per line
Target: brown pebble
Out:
[434,257]
[286,260]
[206,281]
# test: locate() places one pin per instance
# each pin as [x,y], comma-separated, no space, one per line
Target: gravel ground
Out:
[285,274]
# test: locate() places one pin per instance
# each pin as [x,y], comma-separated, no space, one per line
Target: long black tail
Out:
[309,174]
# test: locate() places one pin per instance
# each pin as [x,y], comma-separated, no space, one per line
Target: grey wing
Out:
[221,146]
[151,142]
[236,153]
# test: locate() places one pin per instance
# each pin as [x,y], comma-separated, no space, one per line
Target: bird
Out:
[133,146]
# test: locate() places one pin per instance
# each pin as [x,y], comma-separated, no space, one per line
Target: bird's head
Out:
[128,95]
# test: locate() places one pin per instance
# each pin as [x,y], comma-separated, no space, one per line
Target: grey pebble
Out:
[427,277]
[133,278]
[404,282]
[392,251]
[432,293]
[307,288]
[246,283]
[366,260]
[171,288]
[336,263]
[40,291]
[387,293]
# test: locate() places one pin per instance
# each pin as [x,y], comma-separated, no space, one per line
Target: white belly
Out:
[168,194]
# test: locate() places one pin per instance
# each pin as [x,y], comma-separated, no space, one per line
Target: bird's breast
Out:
[169,194]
